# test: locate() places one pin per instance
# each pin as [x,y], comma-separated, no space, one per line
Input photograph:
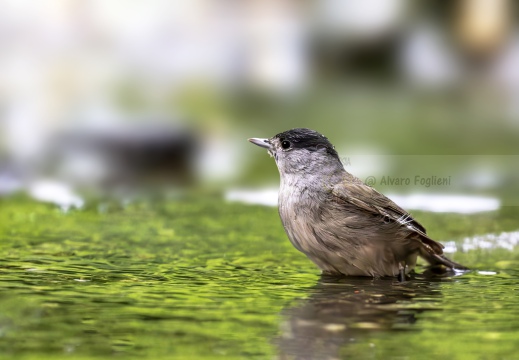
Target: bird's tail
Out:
[437,259]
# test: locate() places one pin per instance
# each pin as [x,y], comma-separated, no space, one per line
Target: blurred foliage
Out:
[383,116]
[196,277]
[357,117]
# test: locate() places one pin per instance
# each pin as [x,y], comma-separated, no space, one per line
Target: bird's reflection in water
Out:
[343,311]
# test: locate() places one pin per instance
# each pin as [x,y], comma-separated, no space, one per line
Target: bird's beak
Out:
[264,143]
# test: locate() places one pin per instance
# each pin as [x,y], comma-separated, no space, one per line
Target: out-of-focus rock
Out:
[129,156]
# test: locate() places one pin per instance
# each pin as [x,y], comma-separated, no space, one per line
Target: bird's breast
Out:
[298,209]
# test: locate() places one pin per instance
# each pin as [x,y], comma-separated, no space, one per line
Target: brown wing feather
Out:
[364,197]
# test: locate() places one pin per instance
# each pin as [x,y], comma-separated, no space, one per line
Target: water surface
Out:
[200,278]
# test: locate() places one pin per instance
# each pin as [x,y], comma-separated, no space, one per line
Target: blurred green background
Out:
[106,96]
[132,222]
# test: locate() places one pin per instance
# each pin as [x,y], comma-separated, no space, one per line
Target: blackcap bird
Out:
[343,225]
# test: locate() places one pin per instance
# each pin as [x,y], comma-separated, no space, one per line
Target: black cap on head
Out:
[302,138]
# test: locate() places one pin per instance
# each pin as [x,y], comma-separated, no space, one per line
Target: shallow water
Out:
[199,278]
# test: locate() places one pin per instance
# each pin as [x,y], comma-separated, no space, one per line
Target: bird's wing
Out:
[364,197]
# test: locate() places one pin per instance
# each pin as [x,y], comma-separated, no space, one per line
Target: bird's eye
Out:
[285,144]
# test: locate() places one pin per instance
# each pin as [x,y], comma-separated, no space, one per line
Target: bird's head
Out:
[301,151]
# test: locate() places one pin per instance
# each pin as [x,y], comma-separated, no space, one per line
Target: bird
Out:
[344,226]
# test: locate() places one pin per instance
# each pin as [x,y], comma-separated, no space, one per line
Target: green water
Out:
[199,278]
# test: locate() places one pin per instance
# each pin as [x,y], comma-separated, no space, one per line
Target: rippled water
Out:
[199,278]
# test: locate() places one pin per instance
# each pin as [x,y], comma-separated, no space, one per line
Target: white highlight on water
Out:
[55,192]
[504,240]
[462,204]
